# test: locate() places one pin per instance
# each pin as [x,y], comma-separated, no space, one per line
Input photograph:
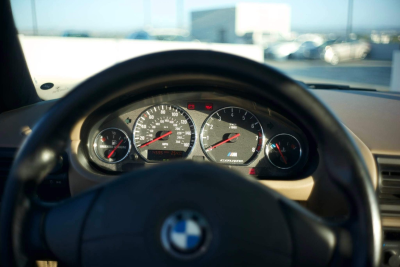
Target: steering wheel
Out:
[226,219]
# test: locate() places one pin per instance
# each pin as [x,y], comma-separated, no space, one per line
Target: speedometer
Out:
[164,132]
[232,136]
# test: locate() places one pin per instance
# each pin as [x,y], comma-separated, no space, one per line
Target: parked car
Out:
[282,50]
[176,38]
[311,50]
[141,35]
[342,50]
[296,48]
[171,34]
[177,35]
[305,49]
[75,34]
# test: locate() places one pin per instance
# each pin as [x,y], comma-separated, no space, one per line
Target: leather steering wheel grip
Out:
[26,228]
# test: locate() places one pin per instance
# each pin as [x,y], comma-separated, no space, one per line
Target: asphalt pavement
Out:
[361,73]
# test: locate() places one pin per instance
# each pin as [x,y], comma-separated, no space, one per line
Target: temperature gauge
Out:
[283,151]
[112,145]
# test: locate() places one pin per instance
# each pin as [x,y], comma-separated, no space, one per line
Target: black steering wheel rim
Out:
[50,137]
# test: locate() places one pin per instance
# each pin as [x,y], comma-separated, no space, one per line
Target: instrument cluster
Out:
[233,132]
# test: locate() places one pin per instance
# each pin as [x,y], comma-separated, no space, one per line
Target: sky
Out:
[126,15]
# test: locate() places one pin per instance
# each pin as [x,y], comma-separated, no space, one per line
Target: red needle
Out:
[280,152]
[155,139]
[223,142]
[112,152]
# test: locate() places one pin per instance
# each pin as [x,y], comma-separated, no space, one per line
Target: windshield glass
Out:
[341,42]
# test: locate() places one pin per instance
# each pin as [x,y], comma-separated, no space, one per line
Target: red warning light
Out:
[191,106]
[252,171]
[209,106]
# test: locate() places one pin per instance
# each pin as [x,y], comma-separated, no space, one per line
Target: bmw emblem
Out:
[185,234]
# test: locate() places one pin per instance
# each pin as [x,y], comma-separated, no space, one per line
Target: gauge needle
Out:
[280,152]
[155,139]
[223,142]
[112,152]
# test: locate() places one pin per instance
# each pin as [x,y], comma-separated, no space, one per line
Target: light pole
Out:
[34,19]
[349,19]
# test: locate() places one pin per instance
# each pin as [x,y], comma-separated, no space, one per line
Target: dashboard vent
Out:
[389,180]
[6,160]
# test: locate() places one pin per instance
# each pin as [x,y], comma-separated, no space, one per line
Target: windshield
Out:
[342,42]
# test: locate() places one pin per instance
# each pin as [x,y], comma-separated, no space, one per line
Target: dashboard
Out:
[371,118]
[203,126]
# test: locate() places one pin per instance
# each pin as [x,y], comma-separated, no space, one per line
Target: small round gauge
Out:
[112,145]
[232,136]
[283,151]
[164,132]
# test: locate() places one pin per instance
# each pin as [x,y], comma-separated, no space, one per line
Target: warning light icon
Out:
[252,171]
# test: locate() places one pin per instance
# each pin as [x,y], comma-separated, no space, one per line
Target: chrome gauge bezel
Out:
[201,137]
[150,107]
[95,147]
[267,150]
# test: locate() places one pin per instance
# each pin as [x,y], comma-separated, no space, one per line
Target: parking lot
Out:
[363,73]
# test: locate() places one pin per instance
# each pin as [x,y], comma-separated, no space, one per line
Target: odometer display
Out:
[164,132]
[232,136]
[164,154]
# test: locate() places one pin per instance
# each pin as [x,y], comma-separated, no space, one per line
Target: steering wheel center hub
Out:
[186,234]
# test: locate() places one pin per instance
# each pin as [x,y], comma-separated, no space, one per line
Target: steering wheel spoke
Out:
[63,227]
[315,240]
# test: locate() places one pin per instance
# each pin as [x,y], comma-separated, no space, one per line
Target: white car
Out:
[342,50]
[283,50]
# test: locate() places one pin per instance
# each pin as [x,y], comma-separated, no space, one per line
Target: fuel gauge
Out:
[283,151]
[112,145]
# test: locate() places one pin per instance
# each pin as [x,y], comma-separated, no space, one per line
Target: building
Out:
[254,21]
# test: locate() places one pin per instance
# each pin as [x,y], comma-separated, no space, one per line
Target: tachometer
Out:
[164,132]
[232,135]
[112,145]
